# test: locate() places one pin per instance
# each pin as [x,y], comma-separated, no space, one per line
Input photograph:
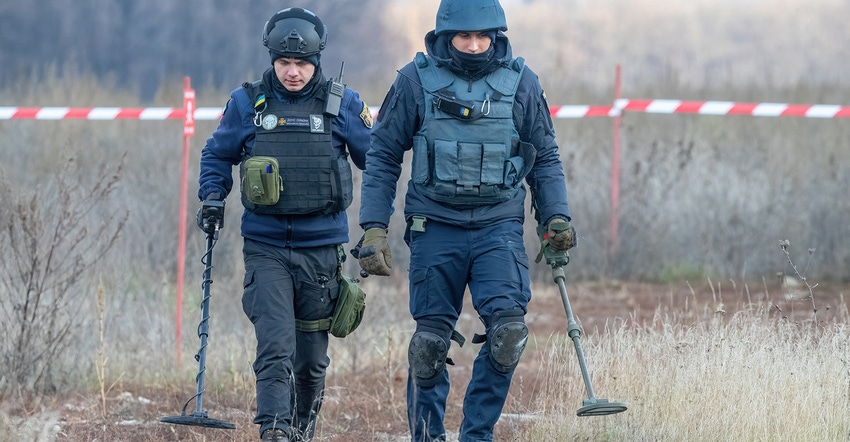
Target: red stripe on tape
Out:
[690,107]
[77,113]
[26,112]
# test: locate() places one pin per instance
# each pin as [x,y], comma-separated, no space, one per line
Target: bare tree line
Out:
[697,47]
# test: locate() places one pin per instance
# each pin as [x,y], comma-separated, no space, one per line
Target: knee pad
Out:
[426,356]
[507,338]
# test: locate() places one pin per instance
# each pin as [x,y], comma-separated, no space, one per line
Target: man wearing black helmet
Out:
[291,133]
[478,124]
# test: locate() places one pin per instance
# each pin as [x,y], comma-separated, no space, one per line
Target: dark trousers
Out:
[444,261]
[282,284]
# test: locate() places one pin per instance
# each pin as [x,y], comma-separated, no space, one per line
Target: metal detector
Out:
[212,214]
[592,406]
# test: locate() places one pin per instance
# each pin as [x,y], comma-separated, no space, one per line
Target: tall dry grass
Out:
[692,374]
[718,365]
[746,377]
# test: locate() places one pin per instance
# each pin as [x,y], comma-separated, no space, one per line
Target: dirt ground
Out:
[635,303]
[353,410]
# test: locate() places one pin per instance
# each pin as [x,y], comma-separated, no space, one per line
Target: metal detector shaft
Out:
[199,417]
[592,406]
[573,330]
[204,325]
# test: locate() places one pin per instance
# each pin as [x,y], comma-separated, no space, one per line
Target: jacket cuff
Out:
[563,217]
[368,226]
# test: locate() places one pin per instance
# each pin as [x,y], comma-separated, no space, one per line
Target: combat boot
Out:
[274,434]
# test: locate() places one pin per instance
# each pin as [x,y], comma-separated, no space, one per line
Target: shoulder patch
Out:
[366,116]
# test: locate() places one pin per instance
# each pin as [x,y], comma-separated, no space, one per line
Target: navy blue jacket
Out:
[400,118]
[235,135]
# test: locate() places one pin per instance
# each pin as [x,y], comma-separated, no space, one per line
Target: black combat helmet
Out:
[295,33]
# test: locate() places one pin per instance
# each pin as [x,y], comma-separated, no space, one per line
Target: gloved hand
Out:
[374,254]
[355,252]
[211,214]
[561,235]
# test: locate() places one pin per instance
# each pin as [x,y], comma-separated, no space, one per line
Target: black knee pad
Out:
[427,354]
[507,337]
[427,357]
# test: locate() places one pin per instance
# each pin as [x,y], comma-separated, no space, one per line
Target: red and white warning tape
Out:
[732,108]
[106,113]
[704,108]
[581,111]
[569,111]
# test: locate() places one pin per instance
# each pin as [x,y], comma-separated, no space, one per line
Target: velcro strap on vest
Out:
[313,325]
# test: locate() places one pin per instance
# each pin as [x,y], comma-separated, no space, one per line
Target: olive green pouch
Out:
[261,180]
[350,306]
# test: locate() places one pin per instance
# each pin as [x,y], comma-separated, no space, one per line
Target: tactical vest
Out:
[467,151]
[316,178]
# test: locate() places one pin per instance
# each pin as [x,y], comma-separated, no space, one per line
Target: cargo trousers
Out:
[280,285]
[444,261]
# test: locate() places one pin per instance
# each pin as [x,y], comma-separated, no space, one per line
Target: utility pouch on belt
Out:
[261,180]
[350,306]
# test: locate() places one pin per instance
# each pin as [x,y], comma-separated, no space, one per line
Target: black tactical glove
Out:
[561,235]
[374,254]
[210,216]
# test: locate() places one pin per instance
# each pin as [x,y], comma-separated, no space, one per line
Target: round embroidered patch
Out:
[269,122]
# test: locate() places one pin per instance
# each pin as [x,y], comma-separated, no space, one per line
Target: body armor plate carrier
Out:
[468,152]
[315,177]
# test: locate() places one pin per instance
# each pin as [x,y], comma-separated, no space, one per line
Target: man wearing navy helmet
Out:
[291,133]
[478,124]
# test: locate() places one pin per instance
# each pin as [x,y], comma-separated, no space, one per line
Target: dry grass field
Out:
[701,361]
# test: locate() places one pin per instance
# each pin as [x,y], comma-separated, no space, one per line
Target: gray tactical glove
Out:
[374,255]
[561,235]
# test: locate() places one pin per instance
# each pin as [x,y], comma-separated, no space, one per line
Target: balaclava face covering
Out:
[473,66]
[277,86]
